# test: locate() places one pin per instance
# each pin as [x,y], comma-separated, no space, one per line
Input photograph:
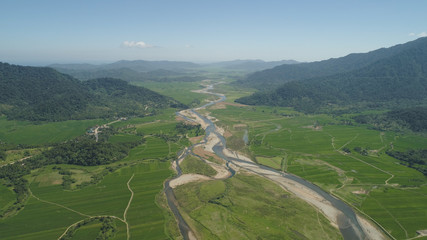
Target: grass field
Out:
[164,115]
[89,231]
[192,164]
[250,207]
[312,147]
[233,92]
[7,196]
[153,148]
[123,138]
[177,90]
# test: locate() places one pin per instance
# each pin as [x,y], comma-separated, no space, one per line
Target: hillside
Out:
[43,94]
[116,97]
[272,78]
[398,79]
[34,93]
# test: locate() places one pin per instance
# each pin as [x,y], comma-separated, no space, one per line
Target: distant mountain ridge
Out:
[271,78]
[132,71]
[136,65]
[399,76]
[142,70]
[130,75]
[44,94]
[250,65]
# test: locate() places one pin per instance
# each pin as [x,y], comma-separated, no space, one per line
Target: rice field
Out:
[312,147]
[24,132]
[52,209]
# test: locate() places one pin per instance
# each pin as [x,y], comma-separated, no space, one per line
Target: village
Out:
[96,129]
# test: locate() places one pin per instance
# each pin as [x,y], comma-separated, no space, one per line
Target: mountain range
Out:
[396,75]
[165,71]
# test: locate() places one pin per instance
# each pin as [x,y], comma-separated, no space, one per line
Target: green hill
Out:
[35,93]
[275,77]
[116,97]
[43,94]
[400,79]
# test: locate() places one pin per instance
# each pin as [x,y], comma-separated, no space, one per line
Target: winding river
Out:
[343,215]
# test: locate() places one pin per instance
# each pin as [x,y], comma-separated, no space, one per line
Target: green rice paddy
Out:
[52,209]
[311,146]
[24,132]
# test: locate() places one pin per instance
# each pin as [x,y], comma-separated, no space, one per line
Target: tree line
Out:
[416,159]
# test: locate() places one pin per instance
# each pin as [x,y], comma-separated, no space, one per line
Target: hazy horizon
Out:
[96,32]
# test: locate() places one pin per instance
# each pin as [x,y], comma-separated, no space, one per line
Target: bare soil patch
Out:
[197,139]
[206,155]
[361,191]
[223,105]
[187,178]
[227,134]
[240,126]
[314,128]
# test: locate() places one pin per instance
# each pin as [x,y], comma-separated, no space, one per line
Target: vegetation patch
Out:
[246,206]
[177,90]
[192,164]
[412,158]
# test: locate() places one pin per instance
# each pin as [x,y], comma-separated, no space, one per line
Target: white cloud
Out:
[188,46]
[134,44]
[421,34]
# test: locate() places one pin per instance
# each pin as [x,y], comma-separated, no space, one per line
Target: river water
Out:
[347,221]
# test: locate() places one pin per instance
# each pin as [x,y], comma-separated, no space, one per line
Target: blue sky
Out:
[100,31]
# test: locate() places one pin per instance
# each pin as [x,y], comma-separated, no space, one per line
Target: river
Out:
[334,209]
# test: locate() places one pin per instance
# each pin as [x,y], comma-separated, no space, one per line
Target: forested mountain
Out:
[399,78]
[36,93]
[271,78]
[116,97]
[43,94]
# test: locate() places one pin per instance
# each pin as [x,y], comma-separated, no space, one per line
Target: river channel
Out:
[345,218]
